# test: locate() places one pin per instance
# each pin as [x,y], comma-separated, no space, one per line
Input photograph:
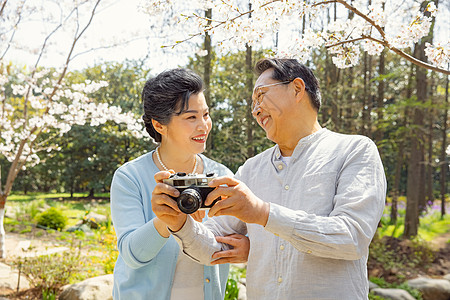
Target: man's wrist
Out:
[264,213]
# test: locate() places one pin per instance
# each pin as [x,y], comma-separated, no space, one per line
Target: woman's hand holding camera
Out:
[166,209]
[238,201]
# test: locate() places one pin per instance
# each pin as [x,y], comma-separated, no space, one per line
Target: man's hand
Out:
[237,200]
[164,207]
[239,253]
[198,215]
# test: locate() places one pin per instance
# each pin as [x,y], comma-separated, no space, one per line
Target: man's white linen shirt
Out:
[325,206]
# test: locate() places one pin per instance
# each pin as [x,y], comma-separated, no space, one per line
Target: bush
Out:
[396,259]
[48,273]
[52,218]
[404,286]
[232,290]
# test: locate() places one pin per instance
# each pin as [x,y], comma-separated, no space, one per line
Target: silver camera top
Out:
[181,180]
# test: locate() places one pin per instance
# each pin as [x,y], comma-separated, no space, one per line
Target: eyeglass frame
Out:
[263,86]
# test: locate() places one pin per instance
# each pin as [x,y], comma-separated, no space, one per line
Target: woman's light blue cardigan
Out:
[146,263]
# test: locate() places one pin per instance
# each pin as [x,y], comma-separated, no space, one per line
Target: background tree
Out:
[38,103]
[229,109]
[365,27]
[88,156]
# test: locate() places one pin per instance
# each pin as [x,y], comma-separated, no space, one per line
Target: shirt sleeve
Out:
[358,205]
[198,239]
[138,241]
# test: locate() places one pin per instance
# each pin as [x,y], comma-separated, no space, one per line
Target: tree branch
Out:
[3,7]
[15,26]
[219,23]
[17,164]
[345,42]
[12,173]
[383,40]
[68,59]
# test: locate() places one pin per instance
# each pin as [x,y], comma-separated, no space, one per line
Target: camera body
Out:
[193,190]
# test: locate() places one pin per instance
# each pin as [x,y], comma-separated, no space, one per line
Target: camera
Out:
[193,190]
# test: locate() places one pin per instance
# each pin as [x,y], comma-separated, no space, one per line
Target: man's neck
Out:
[287,147]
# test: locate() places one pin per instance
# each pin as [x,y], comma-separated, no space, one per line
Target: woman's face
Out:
[189,130]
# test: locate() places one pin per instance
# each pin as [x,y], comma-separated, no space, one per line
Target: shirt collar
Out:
[276,157]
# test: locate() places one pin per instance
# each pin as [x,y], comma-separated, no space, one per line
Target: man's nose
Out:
[256,110]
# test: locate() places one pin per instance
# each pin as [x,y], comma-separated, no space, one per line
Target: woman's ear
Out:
[160,128]
[299,86]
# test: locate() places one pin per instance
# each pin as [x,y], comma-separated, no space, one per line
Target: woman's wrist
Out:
[161,227]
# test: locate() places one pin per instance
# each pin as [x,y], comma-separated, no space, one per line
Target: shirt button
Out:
[282,247]
[309,251]
[207,280]
[280,280]
[280,167]
[286,187]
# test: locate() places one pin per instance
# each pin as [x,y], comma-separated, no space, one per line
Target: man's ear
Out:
[299,86]
[160,128]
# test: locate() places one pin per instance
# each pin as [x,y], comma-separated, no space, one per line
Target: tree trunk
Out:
[365,106]
[416,172]
[379,133]
[249,84]
[414,183]
[429,162]
[401,154]
[395,188]
[443,161]
[351,125]
[207,74]
[415,165]
[369,101]
[334,79]
[2,229]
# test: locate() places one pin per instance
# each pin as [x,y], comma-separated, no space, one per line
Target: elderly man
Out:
[310,205]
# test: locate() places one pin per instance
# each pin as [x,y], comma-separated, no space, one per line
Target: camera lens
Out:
[189,201]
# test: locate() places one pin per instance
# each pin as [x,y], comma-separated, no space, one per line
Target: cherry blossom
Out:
[372,28]
[438,54]
[51,110]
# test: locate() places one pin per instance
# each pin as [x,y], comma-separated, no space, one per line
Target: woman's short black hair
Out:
[168,94]
[285,69]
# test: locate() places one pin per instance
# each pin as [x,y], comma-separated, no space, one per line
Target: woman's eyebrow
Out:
[189,111]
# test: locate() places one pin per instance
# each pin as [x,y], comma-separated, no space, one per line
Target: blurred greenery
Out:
[101,257]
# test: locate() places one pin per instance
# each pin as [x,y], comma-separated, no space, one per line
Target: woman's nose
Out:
[203,124]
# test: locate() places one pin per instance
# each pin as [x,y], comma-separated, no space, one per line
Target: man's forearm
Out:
[197,241]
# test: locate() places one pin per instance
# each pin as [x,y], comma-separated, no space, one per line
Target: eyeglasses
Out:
[258,95]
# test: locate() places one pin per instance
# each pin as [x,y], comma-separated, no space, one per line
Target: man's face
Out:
[272,103]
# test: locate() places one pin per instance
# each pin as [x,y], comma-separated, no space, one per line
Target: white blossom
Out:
[432,8]
[395,25]
[372,47]
[346,56]
[52,106]
[438,54]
